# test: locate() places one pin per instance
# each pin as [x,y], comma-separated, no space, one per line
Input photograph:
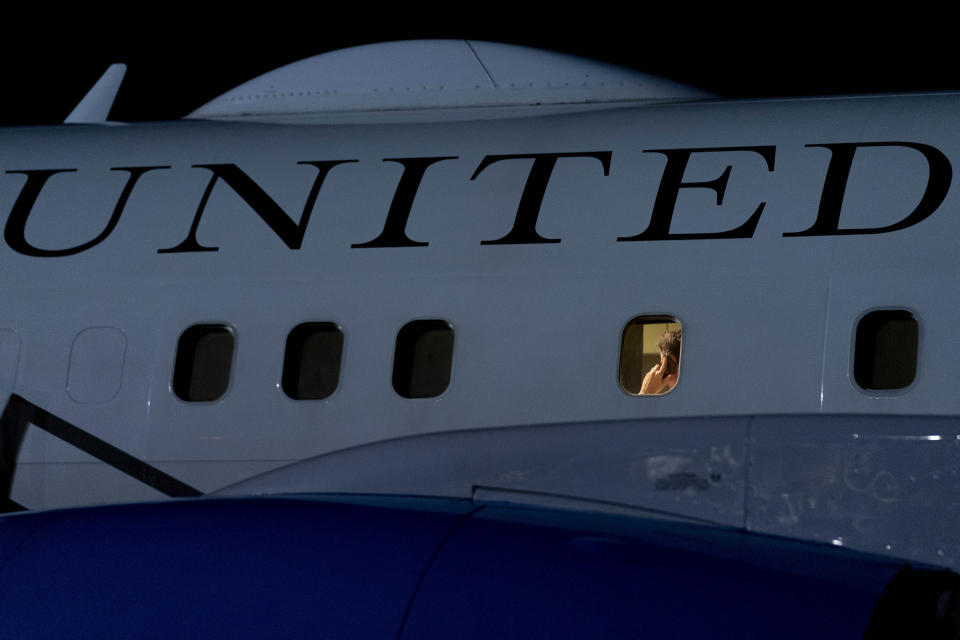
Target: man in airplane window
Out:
[663,376]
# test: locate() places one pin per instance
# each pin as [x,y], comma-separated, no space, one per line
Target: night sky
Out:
[179,59]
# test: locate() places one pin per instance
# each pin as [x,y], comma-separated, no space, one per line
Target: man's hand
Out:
[657,379]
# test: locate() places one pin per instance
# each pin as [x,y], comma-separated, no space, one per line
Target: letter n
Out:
[263,205]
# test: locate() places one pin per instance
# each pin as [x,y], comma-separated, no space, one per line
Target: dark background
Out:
[180,57]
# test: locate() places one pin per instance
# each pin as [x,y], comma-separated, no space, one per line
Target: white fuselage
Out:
[768,318]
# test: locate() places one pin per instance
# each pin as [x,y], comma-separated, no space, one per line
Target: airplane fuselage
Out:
[767,228]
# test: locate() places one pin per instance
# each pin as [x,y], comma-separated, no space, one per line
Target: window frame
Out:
[646,318]
[396,348]
[231,330]
[851,370]
[340,363]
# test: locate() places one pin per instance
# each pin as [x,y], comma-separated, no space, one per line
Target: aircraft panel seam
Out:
[429,565]
[480,62]
[747,463]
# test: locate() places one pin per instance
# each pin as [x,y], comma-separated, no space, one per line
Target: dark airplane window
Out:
[204,357]
[650,351]
[885,355]
[311,362]
[422,361]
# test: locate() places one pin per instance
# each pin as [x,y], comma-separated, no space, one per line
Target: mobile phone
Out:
[671,367]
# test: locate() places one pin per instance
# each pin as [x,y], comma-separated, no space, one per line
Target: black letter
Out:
[672,182]
[828,217]
[14,232]
[262,204]
[525,224]
[394,232]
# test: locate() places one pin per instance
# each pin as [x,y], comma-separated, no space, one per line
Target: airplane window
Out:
[311,363]
[650,355]
[423,358]
[95,370]
[204,357]
[885,355]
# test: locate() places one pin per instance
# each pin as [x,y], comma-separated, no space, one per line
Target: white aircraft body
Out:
[532,230]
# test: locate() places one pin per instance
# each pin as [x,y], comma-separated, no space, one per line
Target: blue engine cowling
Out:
[377,567]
